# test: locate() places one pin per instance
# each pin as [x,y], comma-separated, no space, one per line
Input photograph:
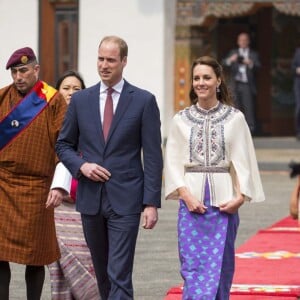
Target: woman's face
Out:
[68,86]
[205,83]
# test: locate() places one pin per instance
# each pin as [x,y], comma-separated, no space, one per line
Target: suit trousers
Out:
[111,239]
[245,102]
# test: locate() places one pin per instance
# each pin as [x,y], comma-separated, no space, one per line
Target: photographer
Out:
[243,63]
[294,200]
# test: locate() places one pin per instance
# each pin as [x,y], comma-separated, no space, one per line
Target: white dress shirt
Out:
[244,52]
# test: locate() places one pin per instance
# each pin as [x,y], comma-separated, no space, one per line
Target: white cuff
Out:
[62,178]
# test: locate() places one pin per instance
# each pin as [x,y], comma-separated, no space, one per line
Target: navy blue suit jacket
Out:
[132,152]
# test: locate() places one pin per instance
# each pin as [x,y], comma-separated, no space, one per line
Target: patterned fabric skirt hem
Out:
[73,276]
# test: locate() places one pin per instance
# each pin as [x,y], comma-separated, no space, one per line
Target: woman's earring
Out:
[218,90]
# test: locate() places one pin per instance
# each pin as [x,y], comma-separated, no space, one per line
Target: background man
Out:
[243,63]
[296,73]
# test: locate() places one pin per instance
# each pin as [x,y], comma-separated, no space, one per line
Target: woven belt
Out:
[203,169]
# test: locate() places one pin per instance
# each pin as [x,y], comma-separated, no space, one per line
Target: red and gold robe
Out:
[27,164]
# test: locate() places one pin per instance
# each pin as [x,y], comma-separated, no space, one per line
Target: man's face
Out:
[25,77]
[243,40]
[109,63]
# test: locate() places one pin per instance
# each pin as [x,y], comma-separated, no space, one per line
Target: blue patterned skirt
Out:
[206,251]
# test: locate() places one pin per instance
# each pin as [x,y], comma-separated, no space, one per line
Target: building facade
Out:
[164,36]
[65,34]
[211,28]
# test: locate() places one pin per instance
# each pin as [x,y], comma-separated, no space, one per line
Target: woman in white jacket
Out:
[211,167]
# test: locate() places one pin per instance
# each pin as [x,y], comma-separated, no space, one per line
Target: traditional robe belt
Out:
[206,169]
[24,112]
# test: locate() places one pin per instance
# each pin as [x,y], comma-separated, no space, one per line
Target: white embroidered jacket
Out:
[216,145]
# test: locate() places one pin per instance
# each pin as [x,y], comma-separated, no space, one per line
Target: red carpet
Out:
[267,265]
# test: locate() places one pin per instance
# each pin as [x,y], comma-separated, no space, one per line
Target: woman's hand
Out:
[232,206]
[191,202]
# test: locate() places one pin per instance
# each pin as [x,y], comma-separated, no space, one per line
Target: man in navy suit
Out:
[244,63]
[119,176]
[296,73]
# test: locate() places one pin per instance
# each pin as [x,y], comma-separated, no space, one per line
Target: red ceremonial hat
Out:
[20,57]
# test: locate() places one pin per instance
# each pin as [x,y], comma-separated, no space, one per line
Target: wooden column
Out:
[182,67]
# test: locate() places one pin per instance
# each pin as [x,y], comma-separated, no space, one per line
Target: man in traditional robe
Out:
[31,113]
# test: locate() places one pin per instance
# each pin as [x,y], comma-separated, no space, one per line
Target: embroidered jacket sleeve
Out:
[175,159]
[243,159]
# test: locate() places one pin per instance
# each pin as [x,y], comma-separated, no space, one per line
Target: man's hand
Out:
[233,58]
[55,197]
[150,217]
[95,172]
[248,62]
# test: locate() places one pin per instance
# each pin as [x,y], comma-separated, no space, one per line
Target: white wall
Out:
[145,26]
[169,64]
[18,29]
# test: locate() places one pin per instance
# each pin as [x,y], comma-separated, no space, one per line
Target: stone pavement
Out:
[156,263]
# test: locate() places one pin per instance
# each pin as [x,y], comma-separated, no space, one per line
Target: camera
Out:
[240,59]
[295,169]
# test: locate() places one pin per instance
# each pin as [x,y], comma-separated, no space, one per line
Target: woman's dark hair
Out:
[224,96]
[70,73]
